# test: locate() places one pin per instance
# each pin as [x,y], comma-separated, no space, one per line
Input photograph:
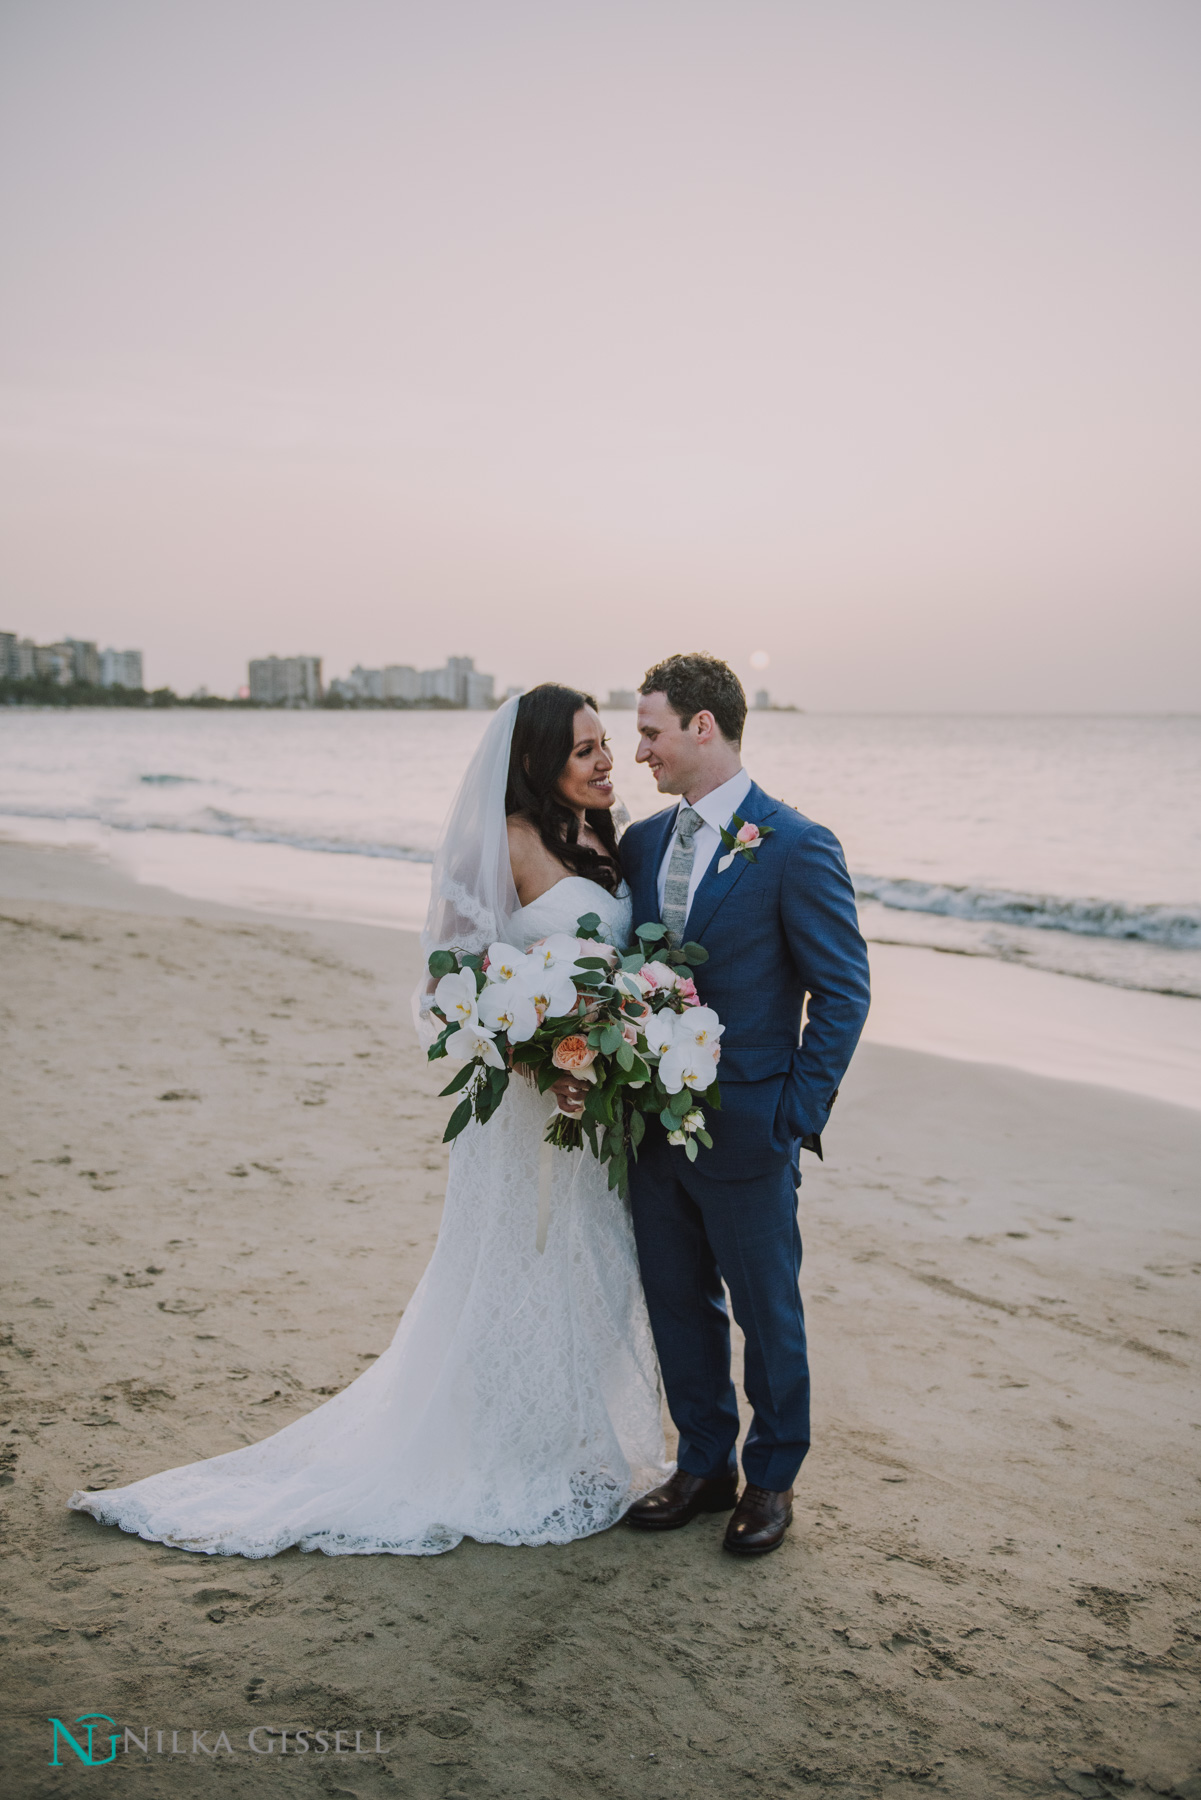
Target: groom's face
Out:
[668,748]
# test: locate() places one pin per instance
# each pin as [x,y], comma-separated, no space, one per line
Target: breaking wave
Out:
[1171,927]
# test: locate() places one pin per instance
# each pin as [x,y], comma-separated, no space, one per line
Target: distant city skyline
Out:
[860,337]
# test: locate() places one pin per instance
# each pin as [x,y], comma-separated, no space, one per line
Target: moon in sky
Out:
[759,659]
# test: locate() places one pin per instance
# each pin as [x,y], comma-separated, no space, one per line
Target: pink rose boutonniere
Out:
[743,840]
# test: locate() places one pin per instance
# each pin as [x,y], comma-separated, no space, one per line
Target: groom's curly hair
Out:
[695,682]
[543,735]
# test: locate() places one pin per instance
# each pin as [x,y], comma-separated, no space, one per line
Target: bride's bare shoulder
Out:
[534,868]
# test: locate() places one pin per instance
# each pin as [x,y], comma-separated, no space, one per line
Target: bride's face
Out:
[585,782]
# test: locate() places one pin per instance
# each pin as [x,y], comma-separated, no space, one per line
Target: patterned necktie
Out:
[679,873]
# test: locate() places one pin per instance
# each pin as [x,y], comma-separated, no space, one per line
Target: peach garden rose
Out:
[573,1054]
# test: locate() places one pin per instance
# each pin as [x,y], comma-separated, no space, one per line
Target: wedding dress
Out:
[518,1402]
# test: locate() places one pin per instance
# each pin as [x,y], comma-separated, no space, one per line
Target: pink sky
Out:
[862,334]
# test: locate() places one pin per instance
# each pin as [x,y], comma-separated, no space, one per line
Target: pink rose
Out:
[686,989]
[659,976]
[572,1053]
[630,1034]
[747,834]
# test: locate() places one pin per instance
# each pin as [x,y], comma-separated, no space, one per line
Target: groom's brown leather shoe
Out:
[681,1499]
[760,1520]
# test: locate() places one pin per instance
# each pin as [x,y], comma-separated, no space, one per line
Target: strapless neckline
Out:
[559,908]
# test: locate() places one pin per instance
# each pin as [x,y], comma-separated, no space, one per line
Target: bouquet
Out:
[629,1025]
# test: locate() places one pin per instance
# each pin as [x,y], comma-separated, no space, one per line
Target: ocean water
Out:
[1064,843]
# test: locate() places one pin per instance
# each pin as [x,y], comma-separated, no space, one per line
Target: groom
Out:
[777,928]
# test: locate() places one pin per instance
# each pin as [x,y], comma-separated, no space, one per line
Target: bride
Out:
[518,1402]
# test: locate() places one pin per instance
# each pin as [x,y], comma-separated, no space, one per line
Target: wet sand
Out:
[222,1175]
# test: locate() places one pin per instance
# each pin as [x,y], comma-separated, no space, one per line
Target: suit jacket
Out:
[777,930]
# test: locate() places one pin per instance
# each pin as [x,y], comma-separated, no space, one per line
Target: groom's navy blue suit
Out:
[776,930]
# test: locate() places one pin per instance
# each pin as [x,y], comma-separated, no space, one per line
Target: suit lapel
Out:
[715,888]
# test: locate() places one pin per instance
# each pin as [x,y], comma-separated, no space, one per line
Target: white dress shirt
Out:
[716,809]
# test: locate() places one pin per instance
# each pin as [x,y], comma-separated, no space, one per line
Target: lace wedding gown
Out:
[518,1402]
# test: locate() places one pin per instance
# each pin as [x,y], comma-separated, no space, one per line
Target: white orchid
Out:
[473,1043]
[557,952]
[687,1065]
[659,1030]
[455,997]
[551,990]
[702,1025]
[507,1007]
[504,962]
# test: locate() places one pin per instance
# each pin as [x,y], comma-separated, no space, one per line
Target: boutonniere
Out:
[744,840]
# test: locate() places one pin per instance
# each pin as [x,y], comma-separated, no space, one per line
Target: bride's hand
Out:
[570,1093]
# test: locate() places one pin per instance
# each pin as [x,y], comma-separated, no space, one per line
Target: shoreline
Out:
[221,1179]
[969,1008]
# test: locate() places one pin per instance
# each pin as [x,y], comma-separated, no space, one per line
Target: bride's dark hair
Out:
[543,736]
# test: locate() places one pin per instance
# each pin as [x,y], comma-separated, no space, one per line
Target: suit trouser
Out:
[692,1230]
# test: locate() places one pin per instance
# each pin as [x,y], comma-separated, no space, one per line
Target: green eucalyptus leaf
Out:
[458,1119]
[704,1138]
[637,1128]
[695,954]
[668,1119]
[595,1107]
[610,1038]
[460,1081]
[651,932]
[681,1103]
[625,1055]
[690,1149]
[442,962]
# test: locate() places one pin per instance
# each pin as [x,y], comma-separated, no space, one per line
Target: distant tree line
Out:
[47,690]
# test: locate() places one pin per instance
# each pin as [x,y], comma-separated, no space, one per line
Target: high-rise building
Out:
[366,684]
[121,668]
[8,655]
[286,680]
[762,700]
[440,684]
[85,660]
[478,694]
[457,683]
[57,661]
[401,682]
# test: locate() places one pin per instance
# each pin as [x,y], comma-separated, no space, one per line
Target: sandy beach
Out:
[219,1134]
